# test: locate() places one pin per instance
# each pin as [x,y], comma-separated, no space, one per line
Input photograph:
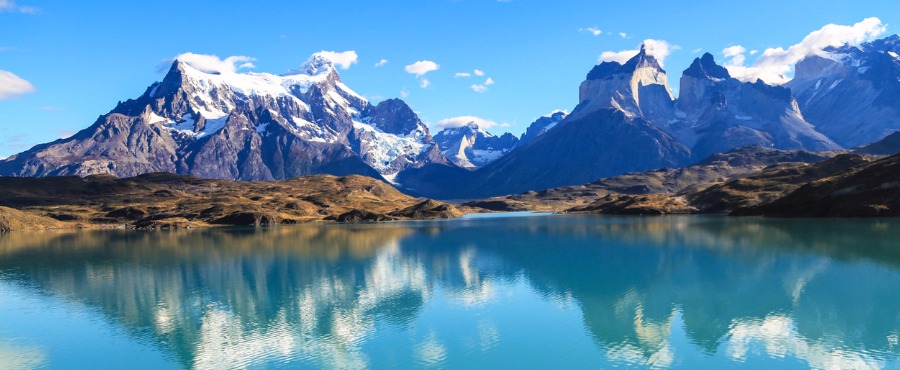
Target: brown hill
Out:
[163,200]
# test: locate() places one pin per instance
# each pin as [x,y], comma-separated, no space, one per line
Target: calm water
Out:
[526,292]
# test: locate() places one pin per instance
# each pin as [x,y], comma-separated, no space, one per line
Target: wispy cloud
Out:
[775,64]
[462,75]
[381,63]
[212,63]
[483,87]
[478,72]
[465,120]
[623,35]
[12,86]
[404,93]
[424,83]
[592,30]
[15,142]
[10,6]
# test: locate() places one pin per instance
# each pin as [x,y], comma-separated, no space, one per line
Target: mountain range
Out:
[261,126]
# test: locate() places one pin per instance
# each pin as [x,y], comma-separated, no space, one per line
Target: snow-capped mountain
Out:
[247,126]
[716,113]
[851,93]
[541,125]
[470,146]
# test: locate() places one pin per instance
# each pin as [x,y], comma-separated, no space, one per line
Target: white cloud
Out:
[775,64]
[212,63]
[617,56]
[696,51]
[753,52]
[659,49]
[343,59]
[462,74]
[12,86]
[381,63]
[484,86]
[404,93]
[478,72]
[465,120]
[733,50]
[10,6]
[422,67]
[623,35]
[424,83]
[593,30]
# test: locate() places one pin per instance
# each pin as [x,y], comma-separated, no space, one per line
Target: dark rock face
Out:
[602,144]
[541,126]
[244,127]
[890,145]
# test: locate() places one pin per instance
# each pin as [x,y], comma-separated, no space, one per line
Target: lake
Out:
[540,292]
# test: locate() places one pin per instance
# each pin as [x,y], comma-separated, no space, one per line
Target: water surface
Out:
[522,292]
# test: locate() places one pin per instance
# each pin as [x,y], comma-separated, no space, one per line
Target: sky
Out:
[502,63]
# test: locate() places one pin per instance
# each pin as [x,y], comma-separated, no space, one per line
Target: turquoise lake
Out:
[538,292]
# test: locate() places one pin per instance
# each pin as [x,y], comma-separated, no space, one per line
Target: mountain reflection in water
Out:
[651,292]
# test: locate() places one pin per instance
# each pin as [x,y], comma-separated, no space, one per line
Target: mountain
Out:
[472,147]
[714,170]
[639,87]
[244,126]
[890,145]
[850,93]
[607,134]
[870,189]
[541,126]
[716,113]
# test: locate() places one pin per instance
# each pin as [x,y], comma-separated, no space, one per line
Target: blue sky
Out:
[80,57]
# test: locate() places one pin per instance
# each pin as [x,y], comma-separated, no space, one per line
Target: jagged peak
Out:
[641,60]
[706,67]
[779,92]
[317,64]
[610,68]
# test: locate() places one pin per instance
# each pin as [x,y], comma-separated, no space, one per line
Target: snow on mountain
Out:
[851,93]
[470,146]
[248,126]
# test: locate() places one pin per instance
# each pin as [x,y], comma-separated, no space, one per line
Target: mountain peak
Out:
[641,60]
[706,67]
[315,65]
